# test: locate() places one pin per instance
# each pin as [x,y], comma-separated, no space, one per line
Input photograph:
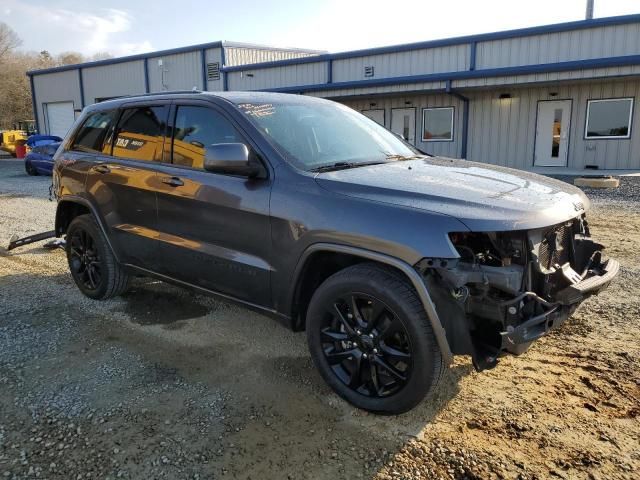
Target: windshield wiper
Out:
[342,166]
[397,156]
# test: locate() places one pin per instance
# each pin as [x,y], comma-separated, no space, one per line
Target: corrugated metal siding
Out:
[502,132]
[291,75]
[215,55]
[248,55]
[549,77]
[113,80]
[56,87]
[447,149]
[416,62]
[611,41]
[182,71]
[354,92]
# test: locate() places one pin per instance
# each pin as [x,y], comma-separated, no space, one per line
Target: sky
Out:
[123,27]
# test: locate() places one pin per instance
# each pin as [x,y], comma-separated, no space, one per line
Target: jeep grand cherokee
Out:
[392,261]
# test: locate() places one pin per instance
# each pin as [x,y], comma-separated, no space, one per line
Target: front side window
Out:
[93,135]
[437,124]
[609,118]
[312,134]
[196,128]
[140,134]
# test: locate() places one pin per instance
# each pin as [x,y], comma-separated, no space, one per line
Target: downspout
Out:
[81,83]
[203,60]
[465,117]
[33,104]
[223,61]
[146,75]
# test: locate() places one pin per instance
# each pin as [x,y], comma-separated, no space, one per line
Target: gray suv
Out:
[392,260]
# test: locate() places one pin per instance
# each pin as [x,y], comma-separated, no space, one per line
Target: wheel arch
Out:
[342,256]
[71,207]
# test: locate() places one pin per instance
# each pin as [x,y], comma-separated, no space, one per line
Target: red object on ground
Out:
[21,151]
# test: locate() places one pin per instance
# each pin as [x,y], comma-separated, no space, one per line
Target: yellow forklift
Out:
[16,136]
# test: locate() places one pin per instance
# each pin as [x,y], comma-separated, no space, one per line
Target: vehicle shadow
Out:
[280,418]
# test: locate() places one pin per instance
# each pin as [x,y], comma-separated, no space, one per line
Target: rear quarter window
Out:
[94,136]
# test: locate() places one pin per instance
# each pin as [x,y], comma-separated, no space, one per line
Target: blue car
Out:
[39,161]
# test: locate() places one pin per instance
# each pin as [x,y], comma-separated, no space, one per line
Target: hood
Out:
[484,197]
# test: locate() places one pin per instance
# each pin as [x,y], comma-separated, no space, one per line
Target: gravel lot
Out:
[164,383]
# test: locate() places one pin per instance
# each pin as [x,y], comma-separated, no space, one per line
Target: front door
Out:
[552,133]
[403,123]
[214,228]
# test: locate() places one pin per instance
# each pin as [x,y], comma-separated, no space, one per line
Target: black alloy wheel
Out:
[84,259]
[371,340]
[366,345]
[93,266]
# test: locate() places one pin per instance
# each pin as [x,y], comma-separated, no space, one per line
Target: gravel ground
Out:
[164,383]
[627,196]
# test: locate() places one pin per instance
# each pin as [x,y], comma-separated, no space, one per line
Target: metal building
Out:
[60,93]
[560,96]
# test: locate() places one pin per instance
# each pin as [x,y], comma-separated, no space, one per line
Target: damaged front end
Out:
[508,289]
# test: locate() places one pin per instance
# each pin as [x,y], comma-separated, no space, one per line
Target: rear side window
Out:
[195,128]
[93,136]
[140,134]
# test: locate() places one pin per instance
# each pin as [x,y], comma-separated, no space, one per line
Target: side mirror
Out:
[229,158]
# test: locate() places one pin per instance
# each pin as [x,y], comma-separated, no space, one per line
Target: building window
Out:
[437,124]
[609,118]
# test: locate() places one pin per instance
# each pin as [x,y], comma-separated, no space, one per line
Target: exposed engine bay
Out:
[508,289]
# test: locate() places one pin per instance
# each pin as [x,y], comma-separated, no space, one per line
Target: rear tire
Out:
[93,266]
[371,340]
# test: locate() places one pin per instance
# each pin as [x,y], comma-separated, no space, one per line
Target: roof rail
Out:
[151,94]
[168,92]
[155,94]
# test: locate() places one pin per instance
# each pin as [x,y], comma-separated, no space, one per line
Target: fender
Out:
[86,203]
[413,276]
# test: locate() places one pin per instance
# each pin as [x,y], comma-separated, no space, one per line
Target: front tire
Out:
[371,340]
[30,169]
[93,266]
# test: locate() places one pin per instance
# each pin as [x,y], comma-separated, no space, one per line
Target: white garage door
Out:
[60,117]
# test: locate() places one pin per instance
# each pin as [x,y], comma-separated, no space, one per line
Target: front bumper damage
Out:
[508,289]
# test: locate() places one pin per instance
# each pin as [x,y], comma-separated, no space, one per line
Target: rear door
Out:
[124,183]
[214,228]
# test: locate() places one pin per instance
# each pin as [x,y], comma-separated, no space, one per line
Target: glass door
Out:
[552,133]
[403,123]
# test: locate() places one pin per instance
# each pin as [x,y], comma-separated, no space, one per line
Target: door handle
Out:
[101,169]
[173,181]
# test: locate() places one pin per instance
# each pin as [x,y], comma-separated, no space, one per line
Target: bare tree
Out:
[9,40]
[101,56]
[15,90]
[70,58]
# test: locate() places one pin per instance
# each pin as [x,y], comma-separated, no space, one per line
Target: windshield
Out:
[313,135]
